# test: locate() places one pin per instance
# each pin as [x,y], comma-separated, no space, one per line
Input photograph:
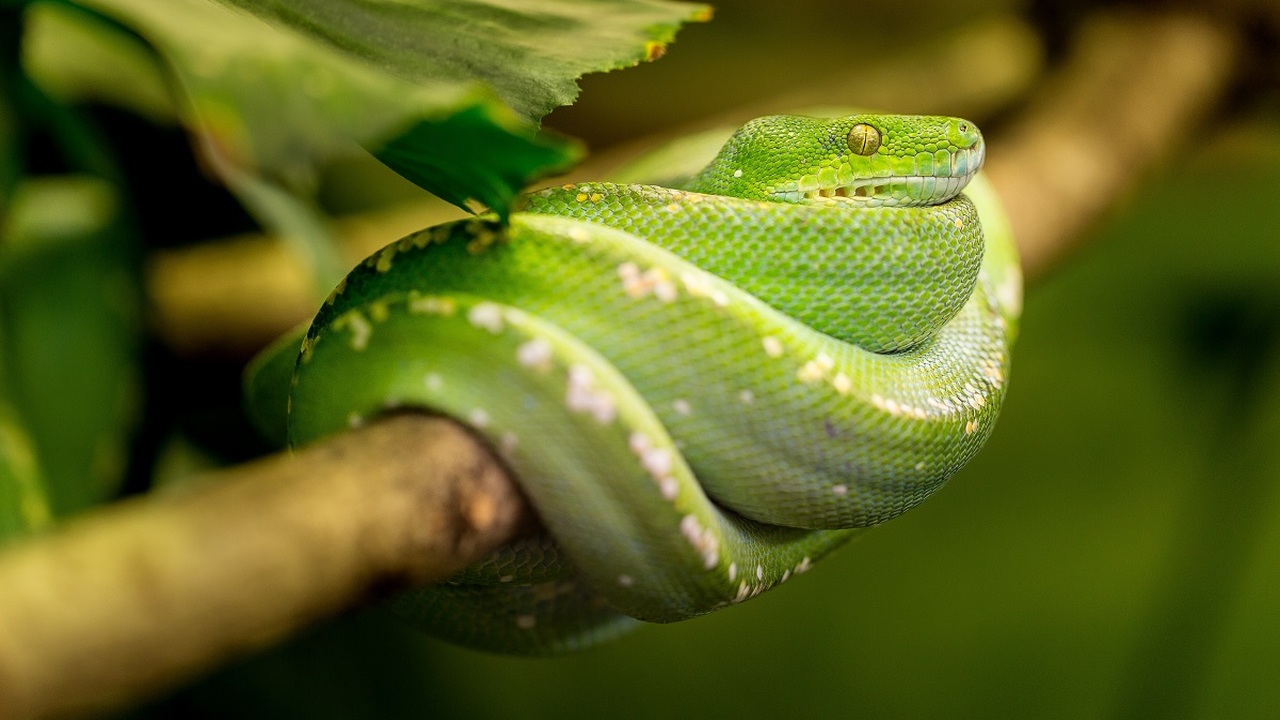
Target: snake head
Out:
[869,160]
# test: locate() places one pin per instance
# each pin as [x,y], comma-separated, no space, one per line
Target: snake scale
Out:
[701,389]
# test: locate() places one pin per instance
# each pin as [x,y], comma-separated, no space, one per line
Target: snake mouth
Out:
[908,190]
[922,182]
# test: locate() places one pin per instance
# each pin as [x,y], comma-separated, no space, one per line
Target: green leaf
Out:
[277,89]
[24,507]
[531,52]
[479,151]
[76,57]
[69,334]
[24,502]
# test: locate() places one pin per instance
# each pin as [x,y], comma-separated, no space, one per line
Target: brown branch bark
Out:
[1134,90]
[139,596]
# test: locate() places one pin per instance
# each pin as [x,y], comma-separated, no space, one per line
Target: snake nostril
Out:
[964,135]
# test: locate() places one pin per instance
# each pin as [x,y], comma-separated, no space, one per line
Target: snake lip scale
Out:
[702,389]
[875,192]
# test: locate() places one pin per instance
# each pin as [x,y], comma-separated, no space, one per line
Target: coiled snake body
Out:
[701,390]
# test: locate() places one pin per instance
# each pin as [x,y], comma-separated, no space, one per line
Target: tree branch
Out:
[1134,89]
[138,596]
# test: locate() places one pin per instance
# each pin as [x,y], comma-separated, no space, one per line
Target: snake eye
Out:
[864,139]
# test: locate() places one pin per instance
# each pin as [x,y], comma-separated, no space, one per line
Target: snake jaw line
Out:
[897,191]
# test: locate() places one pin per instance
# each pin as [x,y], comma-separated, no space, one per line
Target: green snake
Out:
[701,390]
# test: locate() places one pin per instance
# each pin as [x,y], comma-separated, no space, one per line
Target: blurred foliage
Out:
[69,309]
[69,317]
[24,504]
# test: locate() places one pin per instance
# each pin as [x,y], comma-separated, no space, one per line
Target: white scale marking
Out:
[700,285]
[432,305]
[535,354]
[361,330]
[582,395]
[772,346]
[702,539]
[487,316]
[658,462]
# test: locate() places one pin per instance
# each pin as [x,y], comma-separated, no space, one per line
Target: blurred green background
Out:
[1114,551]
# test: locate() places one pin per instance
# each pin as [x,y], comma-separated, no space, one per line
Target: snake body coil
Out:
[702,390]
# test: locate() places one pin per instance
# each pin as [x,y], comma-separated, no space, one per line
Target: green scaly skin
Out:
[702,390]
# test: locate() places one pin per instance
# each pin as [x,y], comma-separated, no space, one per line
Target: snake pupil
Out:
[864,139]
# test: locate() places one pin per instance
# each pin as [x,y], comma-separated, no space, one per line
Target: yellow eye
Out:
[864,139]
